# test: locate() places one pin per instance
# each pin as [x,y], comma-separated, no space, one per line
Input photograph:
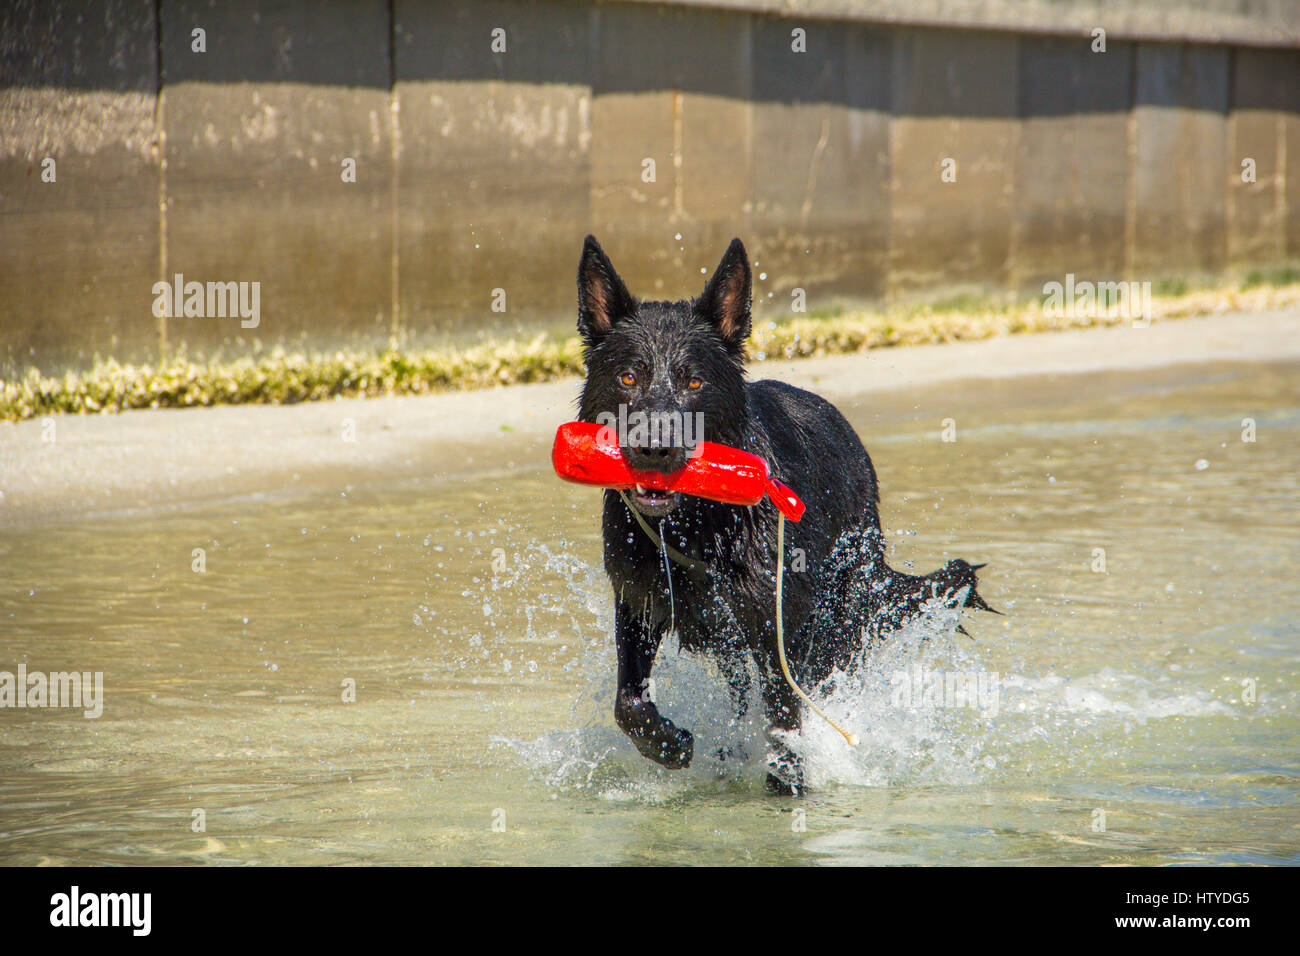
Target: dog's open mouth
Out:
[654,503]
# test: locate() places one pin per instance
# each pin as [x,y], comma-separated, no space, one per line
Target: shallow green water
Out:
[484,693]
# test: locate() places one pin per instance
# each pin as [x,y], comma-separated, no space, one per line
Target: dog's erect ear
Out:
[726,298]
[603,299]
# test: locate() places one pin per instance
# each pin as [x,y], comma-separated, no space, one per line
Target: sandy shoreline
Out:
[65,467]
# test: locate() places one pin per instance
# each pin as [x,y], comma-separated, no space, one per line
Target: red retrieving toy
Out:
[588,454]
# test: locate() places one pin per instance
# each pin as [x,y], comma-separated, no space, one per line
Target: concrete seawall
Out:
[824,132]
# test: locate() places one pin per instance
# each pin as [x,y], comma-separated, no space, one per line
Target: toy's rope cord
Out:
[690,564]
[780,636]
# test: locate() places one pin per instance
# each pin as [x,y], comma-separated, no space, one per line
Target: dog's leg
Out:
[783,710]
[657,737]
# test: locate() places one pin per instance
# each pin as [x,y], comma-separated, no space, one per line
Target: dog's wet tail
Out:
[865,600]
[904,597]
[957,574]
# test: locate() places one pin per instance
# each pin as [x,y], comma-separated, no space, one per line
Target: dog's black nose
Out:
[663,458]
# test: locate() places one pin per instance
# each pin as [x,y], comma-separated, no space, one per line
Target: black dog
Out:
[667,361]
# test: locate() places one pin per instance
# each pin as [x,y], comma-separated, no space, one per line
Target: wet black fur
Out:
[847,588]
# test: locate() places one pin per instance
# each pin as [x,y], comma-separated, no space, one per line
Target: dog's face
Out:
[666,375]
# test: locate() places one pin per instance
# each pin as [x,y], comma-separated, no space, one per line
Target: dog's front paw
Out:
[782,788]
[676,749]
[785,775]
[666,744]
[655,736]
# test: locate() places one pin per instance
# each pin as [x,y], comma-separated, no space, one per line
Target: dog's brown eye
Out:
[695,383]
[628,379]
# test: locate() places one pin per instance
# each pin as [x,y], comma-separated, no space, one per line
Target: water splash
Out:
[1036,724]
